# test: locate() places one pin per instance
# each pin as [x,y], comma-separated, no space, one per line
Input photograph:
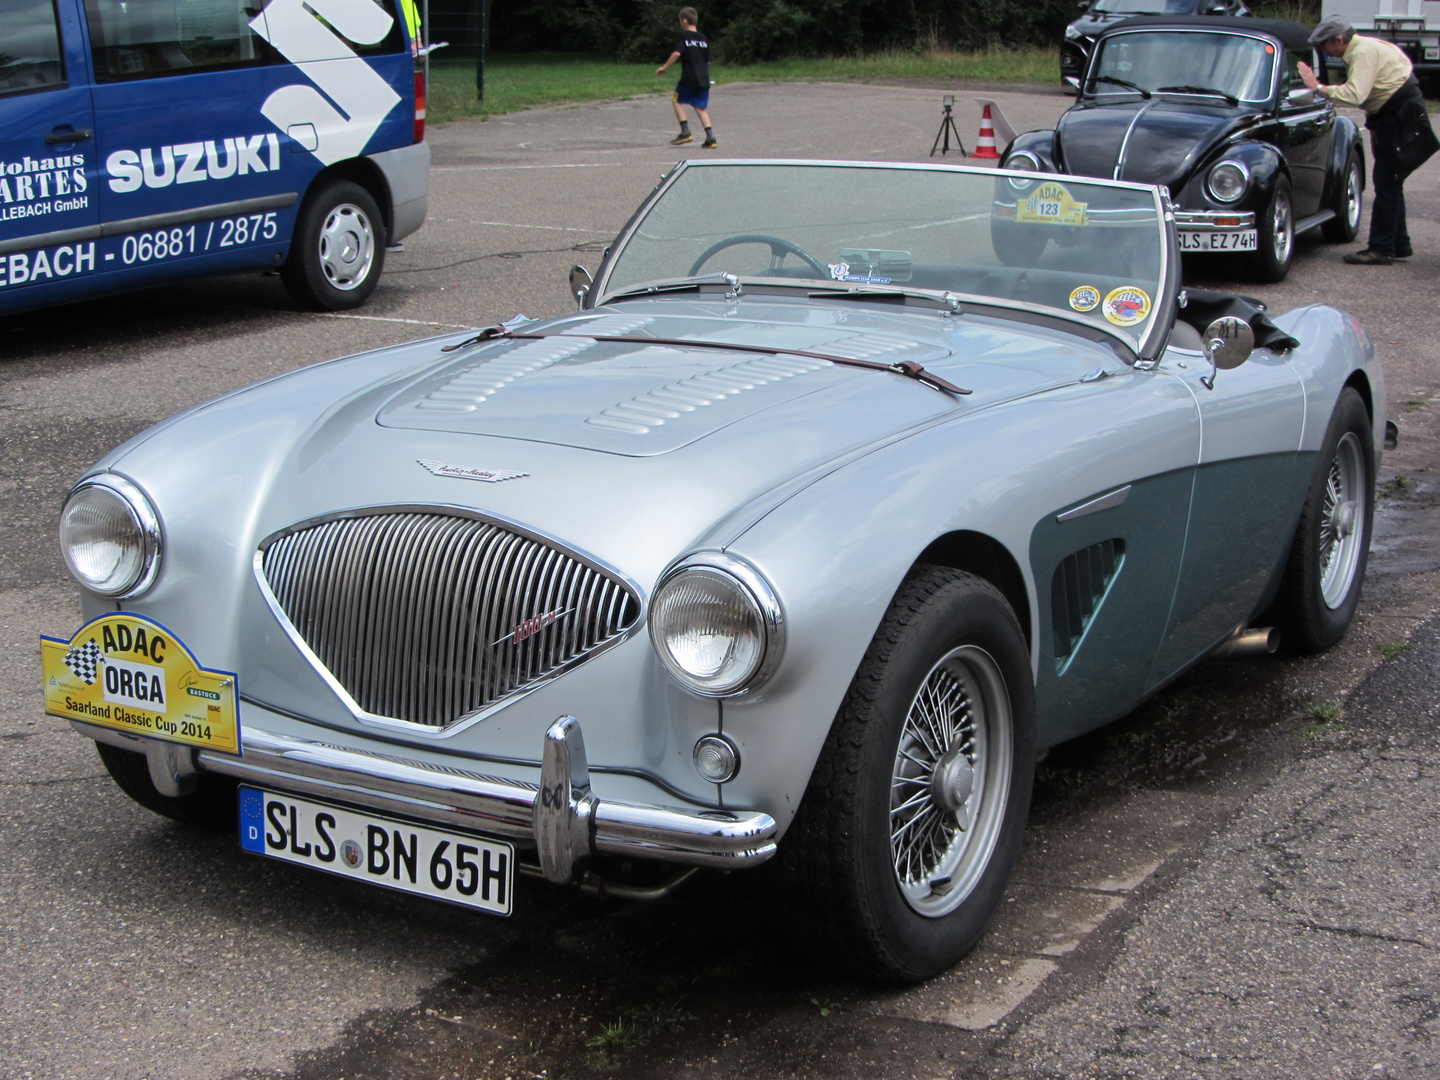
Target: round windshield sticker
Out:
[1085,298]
[1127,305]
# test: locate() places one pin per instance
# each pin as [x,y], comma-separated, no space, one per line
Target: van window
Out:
[140,39]
[30,56]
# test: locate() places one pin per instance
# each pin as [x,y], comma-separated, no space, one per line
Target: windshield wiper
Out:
[1122,82]
[908,368]
[857,291]
[1230,99]
[677,285]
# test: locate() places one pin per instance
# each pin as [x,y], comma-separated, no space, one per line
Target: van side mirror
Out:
[580,282]
[1229,341]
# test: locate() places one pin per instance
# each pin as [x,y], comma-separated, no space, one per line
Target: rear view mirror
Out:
[1228,344]
[580,281]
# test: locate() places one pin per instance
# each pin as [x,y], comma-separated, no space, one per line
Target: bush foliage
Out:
[745,31]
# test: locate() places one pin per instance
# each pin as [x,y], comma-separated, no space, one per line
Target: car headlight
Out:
[1227,181]
[1022,161]
[110,536]
[716,625]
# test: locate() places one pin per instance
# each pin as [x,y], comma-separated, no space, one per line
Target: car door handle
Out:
[74,135]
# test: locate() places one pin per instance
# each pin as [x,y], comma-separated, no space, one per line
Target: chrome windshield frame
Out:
[1146,348]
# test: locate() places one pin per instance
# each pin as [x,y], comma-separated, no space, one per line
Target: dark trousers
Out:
[1387,211]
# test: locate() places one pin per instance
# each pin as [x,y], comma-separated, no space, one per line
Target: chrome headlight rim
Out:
[1022,161]
[766,607]
[148,533]
[1244,180]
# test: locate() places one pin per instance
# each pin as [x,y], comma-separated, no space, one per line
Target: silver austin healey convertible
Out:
[799,540]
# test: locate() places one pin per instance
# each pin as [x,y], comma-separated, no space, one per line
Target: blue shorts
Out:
[694,96]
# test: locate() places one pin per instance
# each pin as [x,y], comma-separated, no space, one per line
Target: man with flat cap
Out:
[1380,81]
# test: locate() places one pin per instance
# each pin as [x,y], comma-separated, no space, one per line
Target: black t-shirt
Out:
[694,53]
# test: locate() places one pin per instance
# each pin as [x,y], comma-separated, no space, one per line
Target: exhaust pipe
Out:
[1257,642]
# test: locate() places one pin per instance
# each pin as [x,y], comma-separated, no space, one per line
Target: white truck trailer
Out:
[1414,25]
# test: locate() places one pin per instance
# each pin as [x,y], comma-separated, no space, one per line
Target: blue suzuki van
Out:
[143,141]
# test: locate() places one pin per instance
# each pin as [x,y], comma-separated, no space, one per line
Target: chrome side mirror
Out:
[1229,341]
[1300,95]
[580,281]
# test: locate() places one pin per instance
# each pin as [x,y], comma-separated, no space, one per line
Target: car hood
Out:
[1162,139]
[599,442]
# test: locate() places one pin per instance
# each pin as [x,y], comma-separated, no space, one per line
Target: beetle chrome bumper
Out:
[562,815]
[1213,221]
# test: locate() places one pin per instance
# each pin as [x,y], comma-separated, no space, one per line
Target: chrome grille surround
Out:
[427,618]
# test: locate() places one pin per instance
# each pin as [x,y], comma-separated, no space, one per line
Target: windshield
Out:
[1088,250]
[1145,7]
[1232,64]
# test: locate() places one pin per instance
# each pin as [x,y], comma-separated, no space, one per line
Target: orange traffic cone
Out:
[985,142]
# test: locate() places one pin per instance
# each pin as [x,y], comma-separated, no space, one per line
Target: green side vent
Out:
[1081,581]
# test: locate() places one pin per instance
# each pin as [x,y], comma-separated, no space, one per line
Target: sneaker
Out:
[1369,257]
[681,139]
[1404,252]
[709,144]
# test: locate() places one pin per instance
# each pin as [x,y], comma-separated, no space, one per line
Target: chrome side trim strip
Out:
[1095,505]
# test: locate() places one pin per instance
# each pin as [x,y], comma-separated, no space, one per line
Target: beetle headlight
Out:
[110,536]
[716,625]
[1227,181]
[1022,161]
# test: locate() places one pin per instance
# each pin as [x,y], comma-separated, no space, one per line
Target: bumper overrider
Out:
[561,815]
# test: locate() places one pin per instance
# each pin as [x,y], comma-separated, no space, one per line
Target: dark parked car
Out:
[1097,15]
[1214,109]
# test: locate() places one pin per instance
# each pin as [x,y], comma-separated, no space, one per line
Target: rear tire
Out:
[1345,225]
[1326,567]
[1275,245]
[213,805]
[914,815]
[338,250]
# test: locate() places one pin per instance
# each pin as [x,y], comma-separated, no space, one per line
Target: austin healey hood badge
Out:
[489,476]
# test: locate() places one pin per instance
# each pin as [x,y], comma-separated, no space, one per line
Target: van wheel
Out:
[213,805]
[338,250]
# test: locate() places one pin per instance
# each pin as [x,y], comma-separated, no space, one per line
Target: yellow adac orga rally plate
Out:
[127,672]
[1051,204]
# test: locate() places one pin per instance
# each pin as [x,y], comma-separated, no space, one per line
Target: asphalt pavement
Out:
[1236,881]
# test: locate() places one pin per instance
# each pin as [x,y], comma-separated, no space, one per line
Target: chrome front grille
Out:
[429,617]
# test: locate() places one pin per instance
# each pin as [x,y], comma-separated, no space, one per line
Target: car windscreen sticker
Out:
[1050,204]
[1127,305]
[127,672]
[1085,298]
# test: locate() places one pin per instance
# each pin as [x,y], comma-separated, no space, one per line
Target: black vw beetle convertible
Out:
[1213,108]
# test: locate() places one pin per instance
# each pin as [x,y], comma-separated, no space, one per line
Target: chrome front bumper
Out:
[1213,221]
[561,815]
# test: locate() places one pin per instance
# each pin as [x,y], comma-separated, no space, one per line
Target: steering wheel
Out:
[778,250]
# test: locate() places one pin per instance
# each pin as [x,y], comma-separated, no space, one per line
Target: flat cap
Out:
[1330,27]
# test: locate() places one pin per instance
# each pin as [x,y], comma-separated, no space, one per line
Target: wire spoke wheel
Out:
[1342,521]
[950,781]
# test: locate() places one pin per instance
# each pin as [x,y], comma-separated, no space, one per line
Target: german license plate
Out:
[418,859]
[1217,241]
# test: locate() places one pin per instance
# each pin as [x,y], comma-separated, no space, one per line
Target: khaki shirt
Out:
[1375,69]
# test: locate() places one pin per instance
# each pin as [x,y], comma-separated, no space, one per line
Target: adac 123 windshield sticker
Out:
[127,672]
[1050,204]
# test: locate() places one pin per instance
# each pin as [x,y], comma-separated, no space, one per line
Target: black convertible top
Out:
[1292,35]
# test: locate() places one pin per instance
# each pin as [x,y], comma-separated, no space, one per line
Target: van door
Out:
[191,169]
[49,212]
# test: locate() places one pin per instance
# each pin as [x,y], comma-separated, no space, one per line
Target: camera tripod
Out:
[947,125]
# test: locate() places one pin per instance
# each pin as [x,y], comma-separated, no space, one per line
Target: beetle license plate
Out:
[1217,241]
[463,869]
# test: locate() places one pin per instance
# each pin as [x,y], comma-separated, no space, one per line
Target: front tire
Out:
[1275,245]
[1326,568]
[914,815]
[213,805]
[338,250]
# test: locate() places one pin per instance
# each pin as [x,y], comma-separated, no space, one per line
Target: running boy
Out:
[693,89]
